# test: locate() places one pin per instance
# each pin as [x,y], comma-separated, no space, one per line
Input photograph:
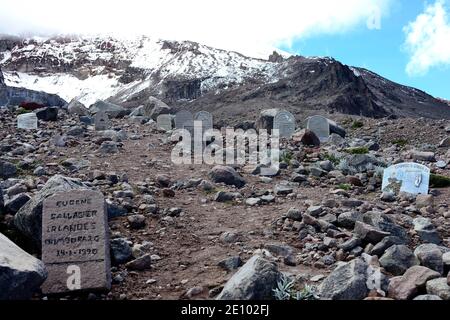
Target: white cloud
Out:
[428,39]
[241,25]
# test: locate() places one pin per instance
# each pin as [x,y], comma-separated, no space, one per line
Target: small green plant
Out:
[285,291]
[357,124]
[331,157]
[357,150]
[286,157]
[438,181]
[307,293]
[400,142]
[344,186]
[22,111]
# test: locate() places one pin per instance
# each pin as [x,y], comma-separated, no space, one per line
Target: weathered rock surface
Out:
[254,281]
[346,282]
[29,218]
[20,273]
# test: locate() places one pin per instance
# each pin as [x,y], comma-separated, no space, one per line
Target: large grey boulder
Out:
[254,281]
[346,282]
[20,273]
[426,230]
[384,223]
[431,256]
[336,129]
[7,170]
[369,233]
[154,108]
[77,108]
[397,259]
[439,287]
[111,109]
[29,218]
[227,175]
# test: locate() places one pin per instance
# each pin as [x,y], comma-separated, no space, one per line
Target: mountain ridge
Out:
[187,74]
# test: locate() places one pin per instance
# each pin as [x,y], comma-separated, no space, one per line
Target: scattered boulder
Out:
[423,156]
[430,255]
[439,287]
[254,281]
[154,108]
[29,218]
[414,280]
[77,108]
[7,170]
[369,233]
[445,143]
[47,114]
[14,204]
[346,282]
[386,243]
[121,251]
[307,138]
[20,273]
[398,259]
[426,230]
[230,264]
[112,110]
[227,175]
[348,219]
[140,264]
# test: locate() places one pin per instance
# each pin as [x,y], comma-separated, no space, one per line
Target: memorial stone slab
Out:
[27,121]
[320,126]
[183,117]
[408,177]
[75,242]
[101,121]
[164,122]
[284,121]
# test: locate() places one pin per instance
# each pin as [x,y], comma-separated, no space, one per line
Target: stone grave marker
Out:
[27,121]
[407,177]
[206,118]
[101,121]
[75,242]
[183,117]
[164,122]
[320,126]
[284,121]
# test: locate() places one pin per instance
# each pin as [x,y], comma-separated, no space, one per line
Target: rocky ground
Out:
[224,232]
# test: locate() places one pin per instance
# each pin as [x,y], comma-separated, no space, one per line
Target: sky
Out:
[407,41]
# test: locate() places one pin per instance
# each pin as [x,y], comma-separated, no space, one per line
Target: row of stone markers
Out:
[184,120]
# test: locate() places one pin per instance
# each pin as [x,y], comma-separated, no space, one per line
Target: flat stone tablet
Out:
[75,242]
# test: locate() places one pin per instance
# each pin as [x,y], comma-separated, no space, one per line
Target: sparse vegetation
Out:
[331,157]
[357,124]
[286,157]
[285,291]
[344,186]
[400,142]
[438,181]
[358,150]
[22,111]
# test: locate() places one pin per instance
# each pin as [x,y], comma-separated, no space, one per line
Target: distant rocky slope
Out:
[188,74]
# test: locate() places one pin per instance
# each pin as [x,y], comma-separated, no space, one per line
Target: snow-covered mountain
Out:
[98,68]
[190,75]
